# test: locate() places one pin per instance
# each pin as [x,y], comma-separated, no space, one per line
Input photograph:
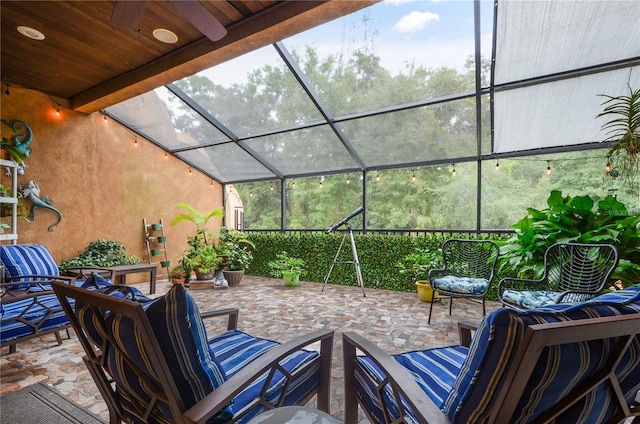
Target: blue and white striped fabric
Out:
[28,259]
[29,316]
[558,370]
[235,349]
[435,371]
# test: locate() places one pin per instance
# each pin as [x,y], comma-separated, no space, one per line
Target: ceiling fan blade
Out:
[200,18]
[127,13]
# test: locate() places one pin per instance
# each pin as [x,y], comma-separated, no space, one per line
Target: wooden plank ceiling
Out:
[87,64]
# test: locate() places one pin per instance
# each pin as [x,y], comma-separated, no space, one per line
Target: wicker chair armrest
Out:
[465,328]
[435,273]
[406,387]
[232,313]
[219,398]
[510,283]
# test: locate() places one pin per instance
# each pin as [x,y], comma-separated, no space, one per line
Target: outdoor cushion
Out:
[235,349]
[496,341]
[435,371]
[28,259]
[465,285]
[528,299]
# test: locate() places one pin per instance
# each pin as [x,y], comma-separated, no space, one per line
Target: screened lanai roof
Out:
[401,84]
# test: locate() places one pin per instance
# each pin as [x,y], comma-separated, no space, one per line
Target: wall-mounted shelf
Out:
[11,234]
[156,241]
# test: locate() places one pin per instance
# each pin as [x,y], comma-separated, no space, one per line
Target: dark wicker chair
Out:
[468,270]
[153,363]
[573,272]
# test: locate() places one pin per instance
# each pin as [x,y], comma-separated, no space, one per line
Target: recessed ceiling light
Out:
[30,32]
[165,35]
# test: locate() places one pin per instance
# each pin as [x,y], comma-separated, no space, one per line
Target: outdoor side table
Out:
[293,414]
[123,270]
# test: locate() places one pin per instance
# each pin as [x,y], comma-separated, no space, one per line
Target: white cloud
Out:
[415,21]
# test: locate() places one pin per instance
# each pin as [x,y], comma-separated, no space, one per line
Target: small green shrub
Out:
[102,253]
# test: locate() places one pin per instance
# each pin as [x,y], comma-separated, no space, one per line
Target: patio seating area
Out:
[394,321]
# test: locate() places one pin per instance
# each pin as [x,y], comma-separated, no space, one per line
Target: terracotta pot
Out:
[177,280]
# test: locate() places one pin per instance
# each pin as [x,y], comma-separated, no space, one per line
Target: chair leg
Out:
[484,309]
[450,304]
[430,308]
[58,338]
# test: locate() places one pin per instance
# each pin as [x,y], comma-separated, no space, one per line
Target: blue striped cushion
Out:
[28,259]
[435,371]
[26,317]
[178,326]
[235,349]
[495,343]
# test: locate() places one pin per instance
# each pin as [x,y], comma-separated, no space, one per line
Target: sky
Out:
[431,33]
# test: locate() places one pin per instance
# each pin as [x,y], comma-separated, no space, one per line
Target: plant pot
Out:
[155,252]
[162,239]
[177,281]
[425,292]
[290,278]
[165,264]
[233,277]
[156,227]
[205,275]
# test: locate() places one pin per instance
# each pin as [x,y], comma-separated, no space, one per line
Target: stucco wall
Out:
[101,183]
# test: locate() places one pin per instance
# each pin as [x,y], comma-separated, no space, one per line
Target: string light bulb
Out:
[348,180]
[293,185]
[271,187]
[548,168]
[453,172]
[608,167]
[104,118]
[377,177]
[320,183]
[58,110]
[166,155]
[251,194]
[413,177]
[135,141]
[6,92]
[211,183]
[497,166]
[190,171]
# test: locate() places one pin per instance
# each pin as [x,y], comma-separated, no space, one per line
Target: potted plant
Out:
[417,265]
[289,268]
[202,259]
[623,130]
[203,255]
[177,274]
[237,247]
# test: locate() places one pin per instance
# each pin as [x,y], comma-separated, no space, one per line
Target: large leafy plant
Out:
[580,219]
[102,253]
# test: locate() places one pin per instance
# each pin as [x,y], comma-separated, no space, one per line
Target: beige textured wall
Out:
[101,183]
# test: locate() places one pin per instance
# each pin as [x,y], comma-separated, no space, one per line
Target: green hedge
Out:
[377,254]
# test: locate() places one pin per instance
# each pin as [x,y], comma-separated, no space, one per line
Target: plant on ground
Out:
[237,246]
[102,253]
[284,262]
[580,219]
[418,264]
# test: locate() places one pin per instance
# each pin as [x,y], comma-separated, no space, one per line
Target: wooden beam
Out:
[273,24]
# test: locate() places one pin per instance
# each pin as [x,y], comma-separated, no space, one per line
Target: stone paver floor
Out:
[394,321]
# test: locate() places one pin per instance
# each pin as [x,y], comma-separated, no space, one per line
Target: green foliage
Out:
[178,272]
[200,257]
[237,246]
[201,221]
[418,264]
[102,253]
[623,128]
[580,219]
[284,262]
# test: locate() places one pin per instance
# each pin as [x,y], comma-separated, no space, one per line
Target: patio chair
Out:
[569,363]
[152,361]
[573,272]
[28,306]
[468,270]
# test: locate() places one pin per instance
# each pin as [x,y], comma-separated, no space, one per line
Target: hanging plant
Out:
[623,129]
